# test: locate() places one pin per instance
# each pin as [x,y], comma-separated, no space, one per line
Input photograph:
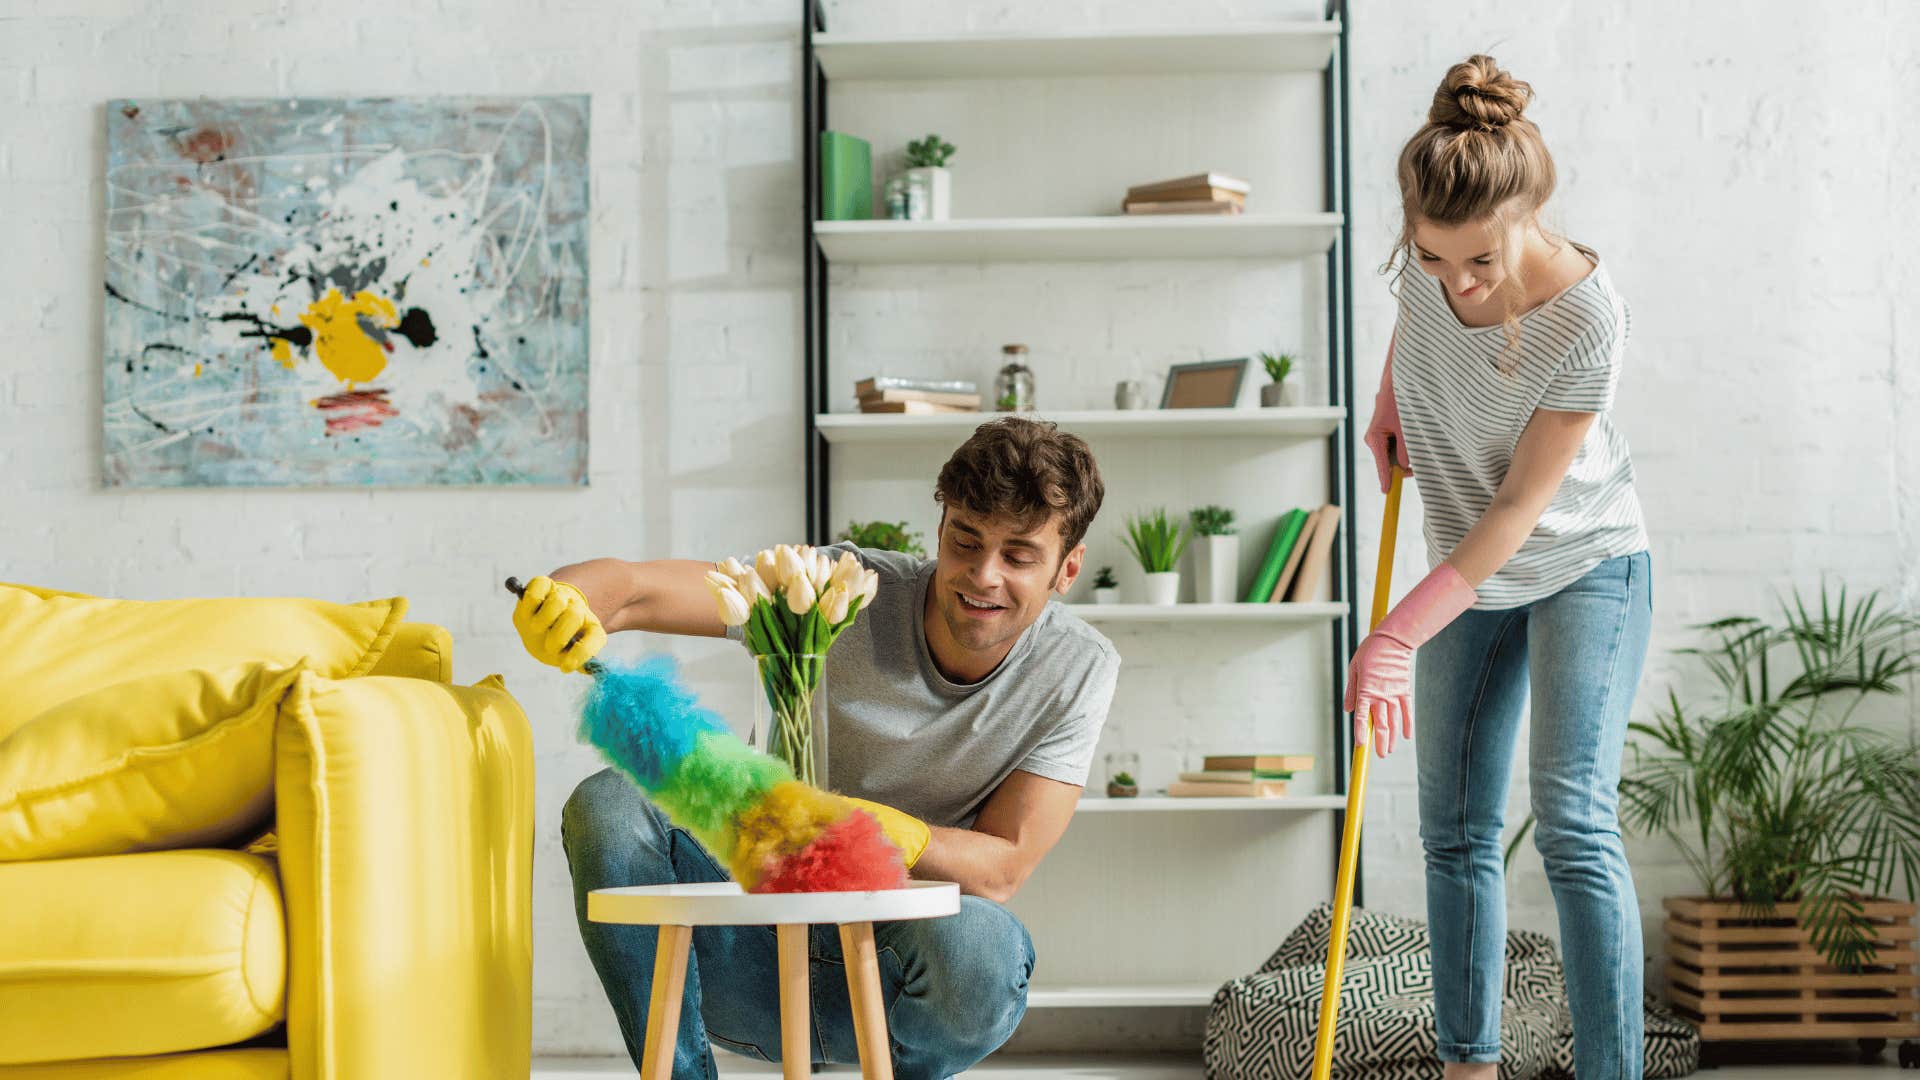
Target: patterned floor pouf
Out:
[1261,1027]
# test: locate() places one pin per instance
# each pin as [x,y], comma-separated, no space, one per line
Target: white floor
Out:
[1134,1068]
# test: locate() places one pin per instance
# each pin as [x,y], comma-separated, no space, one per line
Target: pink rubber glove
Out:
[1380,676]
[1385,424]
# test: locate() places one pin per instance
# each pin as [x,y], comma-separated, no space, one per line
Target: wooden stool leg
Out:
[796,1016]
[869,1009]
[663,1010]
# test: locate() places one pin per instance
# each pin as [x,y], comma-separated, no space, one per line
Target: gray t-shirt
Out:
[900,733]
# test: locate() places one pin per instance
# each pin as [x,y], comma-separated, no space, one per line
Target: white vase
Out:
[1107,596]
[939,182]
[1216,566]
[1163,588]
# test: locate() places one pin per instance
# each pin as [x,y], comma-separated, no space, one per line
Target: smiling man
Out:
[963,704]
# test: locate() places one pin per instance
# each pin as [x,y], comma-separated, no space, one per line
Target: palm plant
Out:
[1104,579]
[1156,540]
[1777,793]
[1277,365]
[1212,521]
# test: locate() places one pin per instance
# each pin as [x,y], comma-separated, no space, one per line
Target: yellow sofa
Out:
[383,931]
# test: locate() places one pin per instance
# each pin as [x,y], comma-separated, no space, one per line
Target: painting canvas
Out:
[346,292]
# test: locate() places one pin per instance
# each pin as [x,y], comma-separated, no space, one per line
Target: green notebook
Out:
[1284,535]
[846,177]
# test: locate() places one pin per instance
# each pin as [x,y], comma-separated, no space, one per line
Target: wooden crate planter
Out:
[1739,978]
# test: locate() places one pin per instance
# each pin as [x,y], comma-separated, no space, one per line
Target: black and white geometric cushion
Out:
[1262,1026]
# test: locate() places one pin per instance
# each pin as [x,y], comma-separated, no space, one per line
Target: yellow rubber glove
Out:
[548,616]
[907,832]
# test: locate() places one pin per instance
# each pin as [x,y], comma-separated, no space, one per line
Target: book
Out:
[1198,181]
[935,397]
[1284,533]
[1234,776]
[1255,789]
[877,383]
[1181,206]
[1263,762]
[1313,569]
[916,408]
[1285,580]
[846,177]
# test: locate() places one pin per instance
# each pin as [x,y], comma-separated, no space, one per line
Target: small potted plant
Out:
[1279,392]
[884,535]
[1106,587]
[1122,786]
[1216,558]
[1157,542]
[927,161]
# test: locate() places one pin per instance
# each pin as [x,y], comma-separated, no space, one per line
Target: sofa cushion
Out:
[57,647]
[129,955]
[418,651]
[251,1064]
[180,759]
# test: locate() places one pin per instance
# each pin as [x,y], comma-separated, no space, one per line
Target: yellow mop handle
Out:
[1356,802]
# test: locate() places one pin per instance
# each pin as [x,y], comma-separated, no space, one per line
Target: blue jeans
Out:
[1580,651]
[954,988]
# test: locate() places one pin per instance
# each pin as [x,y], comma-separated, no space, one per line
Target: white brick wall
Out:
[1751,178]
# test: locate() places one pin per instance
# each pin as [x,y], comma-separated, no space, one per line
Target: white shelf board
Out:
[1091,997]
[1291,612]
[1266,48]
[1305,422]
[1148,804]
[1112,236]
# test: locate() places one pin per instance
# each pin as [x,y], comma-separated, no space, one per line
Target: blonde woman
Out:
[1506,352]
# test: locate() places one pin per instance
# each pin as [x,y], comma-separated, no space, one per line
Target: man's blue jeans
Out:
[955,988]
[1581,651]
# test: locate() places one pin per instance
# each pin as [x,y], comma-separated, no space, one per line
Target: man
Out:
[962,703]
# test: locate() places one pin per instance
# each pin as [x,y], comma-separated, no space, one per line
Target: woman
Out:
[1506,352]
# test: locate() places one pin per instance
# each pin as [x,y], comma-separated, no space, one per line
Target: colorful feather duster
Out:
[774,833]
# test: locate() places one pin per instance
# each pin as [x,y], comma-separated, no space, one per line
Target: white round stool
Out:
[677,909]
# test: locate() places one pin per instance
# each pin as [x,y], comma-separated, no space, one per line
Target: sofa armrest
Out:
[406,854]
[418,651]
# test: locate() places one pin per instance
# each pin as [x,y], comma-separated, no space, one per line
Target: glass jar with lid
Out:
[1013,387]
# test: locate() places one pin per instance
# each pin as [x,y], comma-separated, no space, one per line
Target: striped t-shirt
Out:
[1462,419]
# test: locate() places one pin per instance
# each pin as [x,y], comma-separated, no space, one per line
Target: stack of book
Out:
[1202,193]
[1244,776]
[1296,562]
[899,394]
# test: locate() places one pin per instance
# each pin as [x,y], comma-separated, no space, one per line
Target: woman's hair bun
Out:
[1478,95]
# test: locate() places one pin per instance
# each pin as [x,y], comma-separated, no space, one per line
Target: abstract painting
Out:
[346,292]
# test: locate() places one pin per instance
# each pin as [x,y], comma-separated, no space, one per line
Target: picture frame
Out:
[1206,384]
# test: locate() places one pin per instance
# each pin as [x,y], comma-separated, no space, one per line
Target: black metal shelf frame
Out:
[1344,632]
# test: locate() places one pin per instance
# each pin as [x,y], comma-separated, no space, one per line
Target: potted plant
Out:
[1796,818]
[927,161]
[883,535]
[1157,542]
[1216,557]
[1279,391]
[1106,587]
[1122,786]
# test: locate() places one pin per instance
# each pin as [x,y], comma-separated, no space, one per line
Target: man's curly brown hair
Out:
[1026,470]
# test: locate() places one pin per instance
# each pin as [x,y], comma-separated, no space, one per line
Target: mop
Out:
[774,833]
[1356,799]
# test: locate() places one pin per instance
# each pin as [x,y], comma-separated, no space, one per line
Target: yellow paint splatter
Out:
[426,262]
[196,371]
[283,352]
[338,339]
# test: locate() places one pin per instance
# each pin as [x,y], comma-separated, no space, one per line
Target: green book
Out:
[846,177]
[1284,535]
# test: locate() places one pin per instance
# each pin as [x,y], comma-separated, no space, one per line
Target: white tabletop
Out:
[724,903]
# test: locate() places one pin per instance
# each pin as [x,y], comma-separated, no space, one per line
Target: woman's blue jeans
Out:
[1580,653]
[954,988]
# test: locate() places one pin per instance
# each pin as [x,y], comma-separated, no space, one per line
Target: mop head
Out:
[774,833]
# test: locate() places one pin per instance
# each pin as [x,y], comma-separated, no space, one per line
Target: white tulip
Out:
[790,565]
[847,571]
[733,607]
[834,603]
[869,588]
[822,571]
[753,588]
[800,594]
[765,568]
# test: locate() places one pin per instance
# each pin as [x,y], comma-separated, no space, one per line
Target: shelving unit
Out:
[1082,889]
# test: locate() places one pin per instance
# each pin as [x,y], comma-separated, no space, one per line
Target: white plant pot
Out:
[1107,596]
[939,181]
[1216,565]
[1163,588]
